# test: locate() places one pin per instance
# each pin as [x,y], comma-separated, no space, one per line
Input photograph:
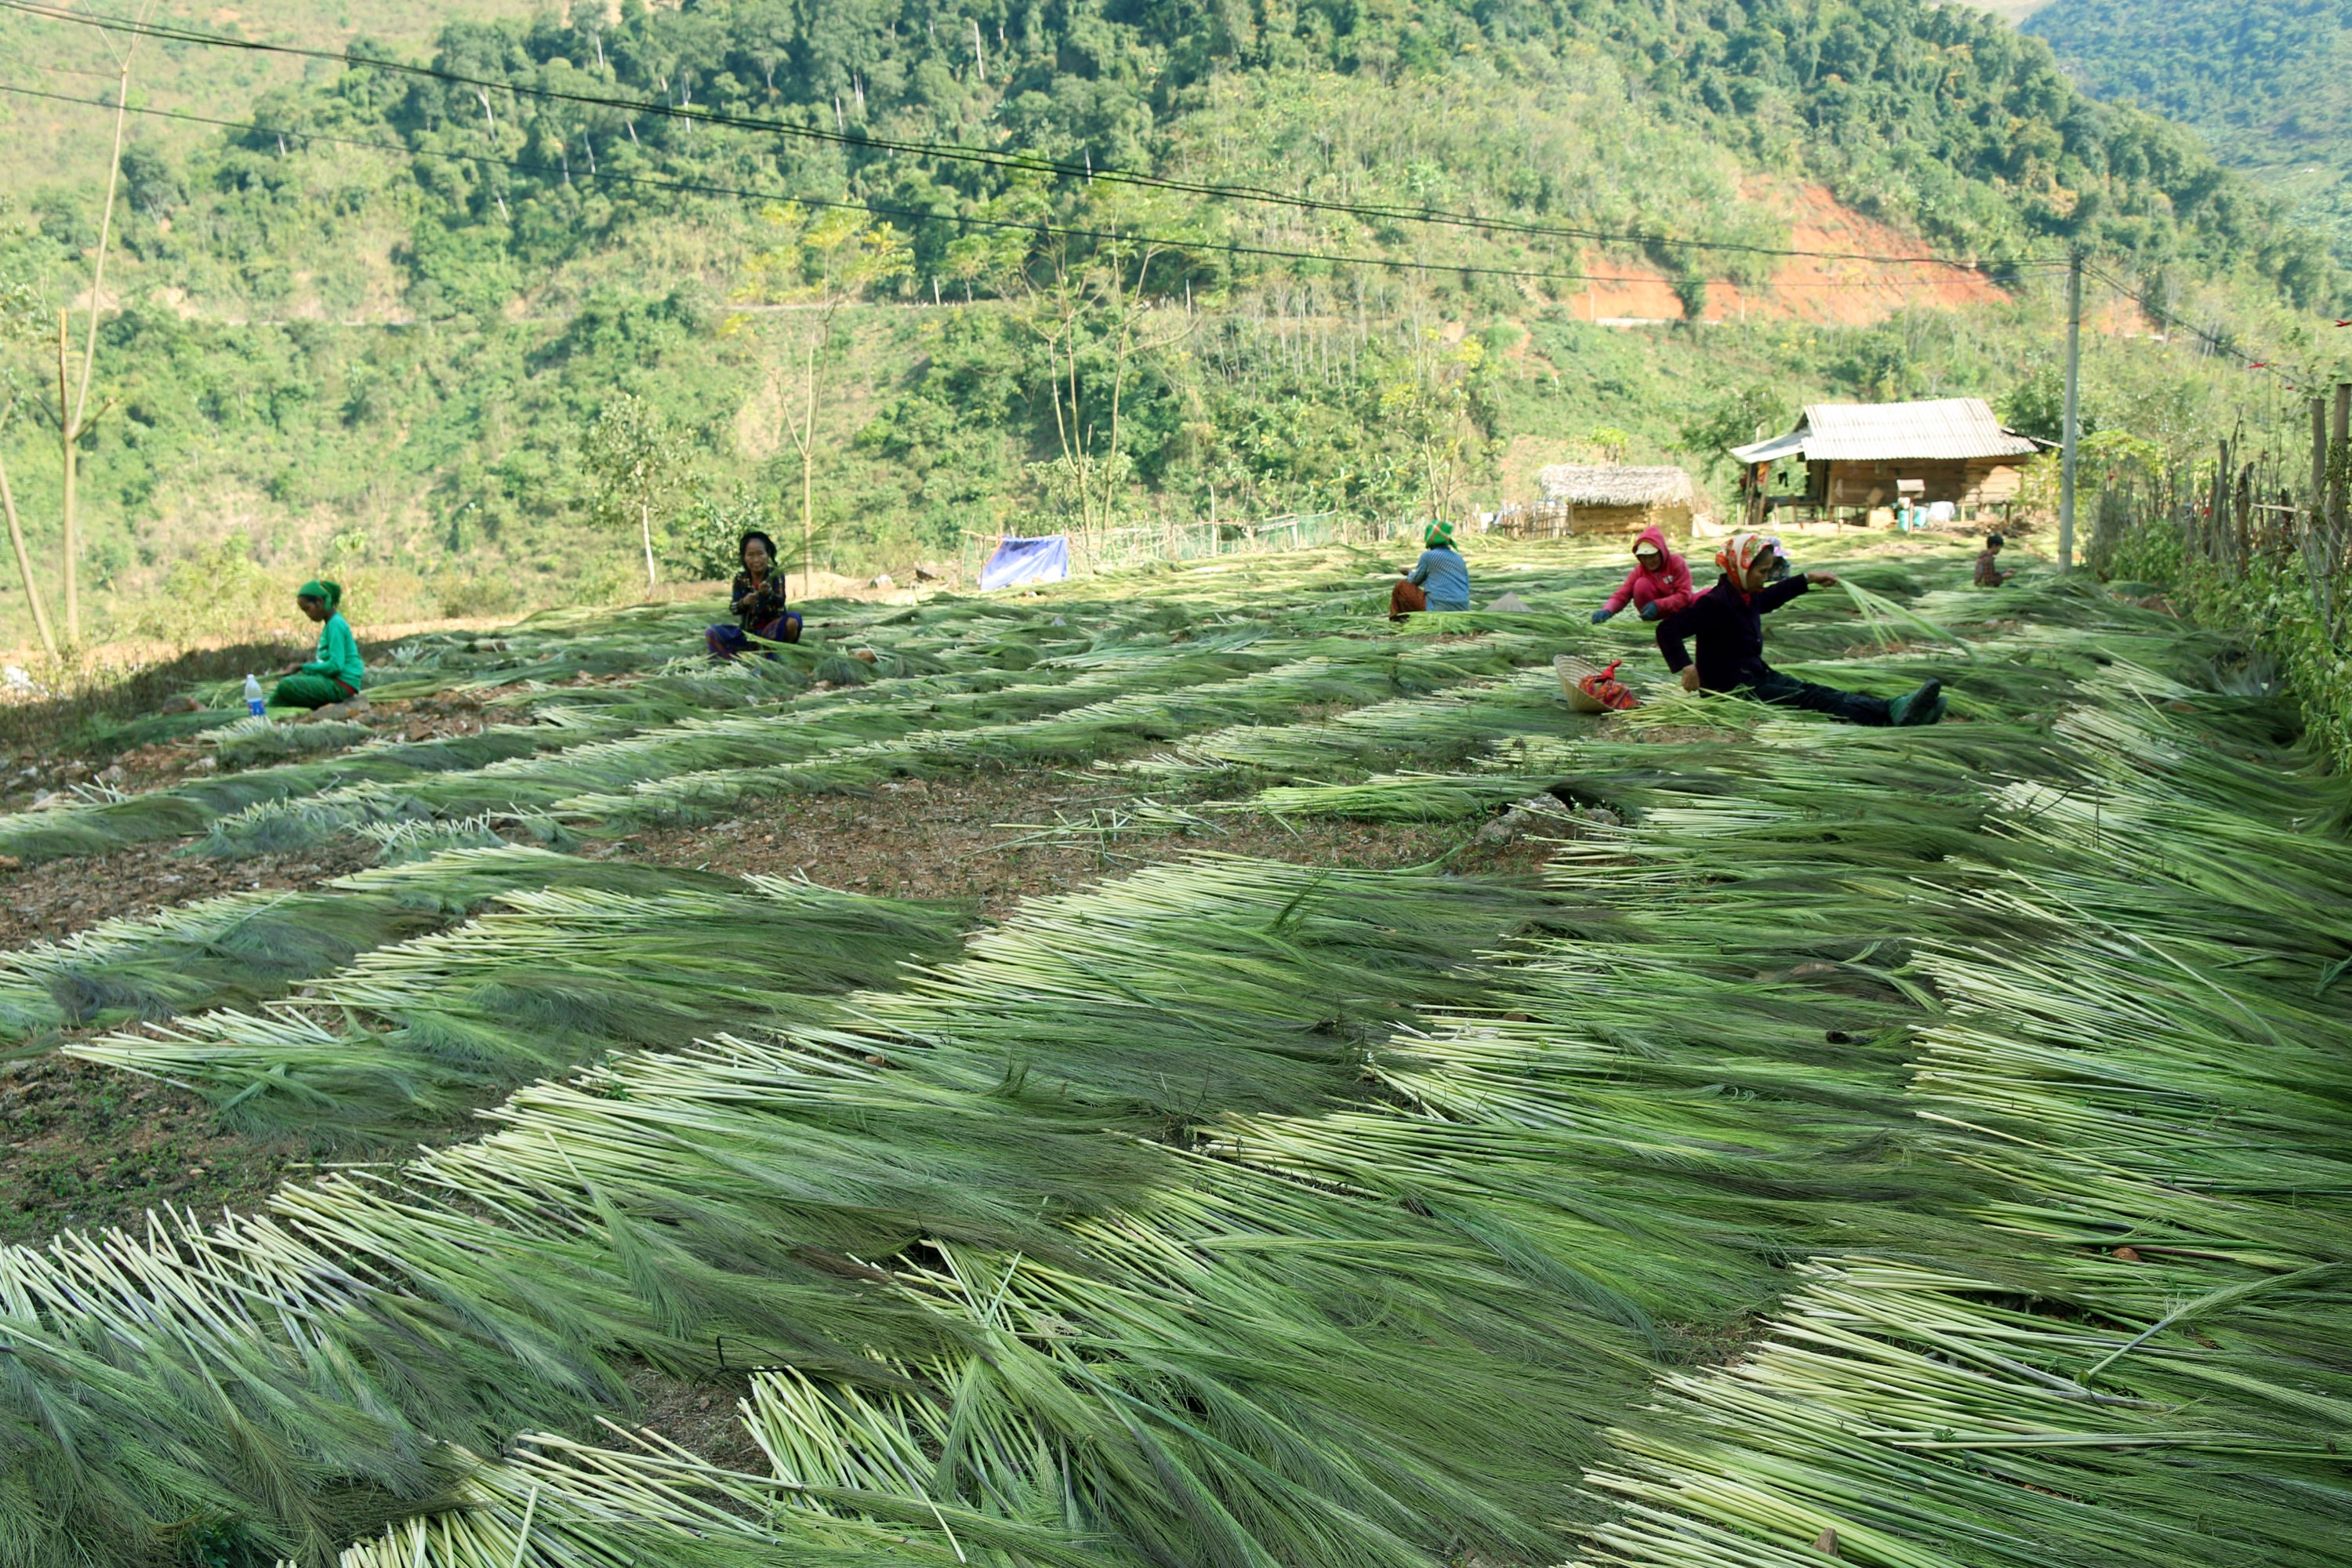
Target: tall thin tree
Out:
[636,462]
[24,556]
[22,317]
[74,418]
[821,265]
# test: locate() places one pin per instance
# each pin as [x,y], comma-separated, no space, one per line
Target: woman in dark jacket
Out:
[1728,623]
[758,602]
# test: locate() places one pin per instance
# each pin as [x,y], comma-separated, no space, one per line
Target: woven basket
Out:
[1572,669]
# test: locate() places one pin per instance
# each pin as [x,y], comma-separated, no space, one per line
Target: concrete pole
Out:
[2340,438]
[2073,412]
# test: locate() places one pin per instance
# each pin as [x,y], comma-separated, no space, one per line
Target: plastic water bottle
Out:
[253,702]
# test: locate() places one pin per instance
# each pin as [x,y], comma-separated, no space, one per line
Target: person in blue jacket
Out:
[1440,579]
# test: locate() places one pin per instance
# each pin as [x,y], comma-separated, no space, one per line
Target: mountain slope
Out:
[52,144]
[2268,83]
[370,329]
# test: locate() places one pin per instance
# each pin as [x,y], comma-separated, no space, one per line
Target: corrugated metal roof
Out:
[1772,449]
[1944,429]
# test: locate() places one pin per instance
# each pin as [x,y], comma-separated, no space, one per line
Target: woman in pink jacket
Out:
[1659,584]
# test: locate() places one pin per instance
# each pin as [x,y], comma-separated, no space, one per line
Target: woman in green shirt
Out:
[333,676]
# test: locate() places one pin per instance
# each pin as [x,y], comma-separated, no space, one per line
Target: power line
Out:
[2164,317]
[696,187]
[989,157]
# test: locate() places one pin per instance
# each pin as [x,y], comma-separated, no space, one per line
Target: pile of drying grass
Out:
[1243,1213]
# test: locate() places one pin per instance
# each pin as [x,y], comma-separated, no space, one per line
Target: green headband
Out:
[328,593]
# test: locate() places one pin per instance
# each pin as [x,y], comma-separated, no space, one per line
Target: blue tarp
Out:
[1019,561]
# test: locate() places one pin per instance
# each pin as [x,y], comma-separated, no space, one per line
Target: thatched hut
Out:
[1613,498]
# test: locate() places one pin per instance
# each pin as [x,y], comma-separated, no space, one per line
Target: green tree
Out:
[1732,420]
[821,263]
[1430,406]
[635,462]
[2037,406]
[1609,443]
[1099,310]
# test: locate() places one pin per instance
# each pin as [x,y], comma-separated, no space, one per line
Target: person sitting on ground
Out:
[1990,573]
[334,674]
[1727,621]
[758,602]
[1659,584]
[1440,579]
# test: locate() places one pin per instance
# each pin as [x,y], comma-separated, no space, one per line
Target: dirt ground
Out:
[58,897]
[91,1147]
[962,840]
[25,778]
[700,1416]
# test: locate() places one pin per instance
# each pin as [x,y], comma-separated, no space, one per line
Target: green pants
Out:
[306,691]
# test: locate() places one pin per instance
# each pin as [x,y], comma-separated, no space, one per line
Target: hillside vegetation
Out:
[57,147]
[372,332]
[2268,84]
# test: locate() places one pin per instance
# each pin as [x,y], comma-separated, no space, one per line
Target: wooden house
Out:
[1845,461]
[1609,498]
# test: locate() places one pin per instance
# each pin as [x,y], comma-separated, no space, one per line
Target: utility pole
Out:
[2073,411]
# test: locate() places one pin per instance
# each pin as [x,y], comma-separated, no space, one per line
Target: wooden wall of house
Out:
[1995,480]
[1983,481]
[1605,521]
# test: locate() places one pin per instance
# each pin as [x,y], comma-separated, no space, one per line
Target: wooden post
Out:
[2243,500]
[2217,508]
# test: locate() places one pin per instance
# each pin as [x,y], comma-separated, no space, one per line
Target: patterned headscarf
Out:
[1439,537]
[1742,551]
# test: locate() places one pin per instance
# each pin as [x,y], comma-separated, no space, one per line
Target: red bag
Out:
[1607,689]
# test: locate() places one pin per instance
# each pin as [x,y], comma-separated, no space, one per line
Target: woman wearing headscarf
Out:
[1440,579]
[757,600]
[1728,622]
[1658,585]
[334,672]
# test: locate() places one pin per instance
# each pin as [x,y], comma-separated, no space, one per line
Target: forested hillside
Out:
[2268,83]
[375,326]
[56,145]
